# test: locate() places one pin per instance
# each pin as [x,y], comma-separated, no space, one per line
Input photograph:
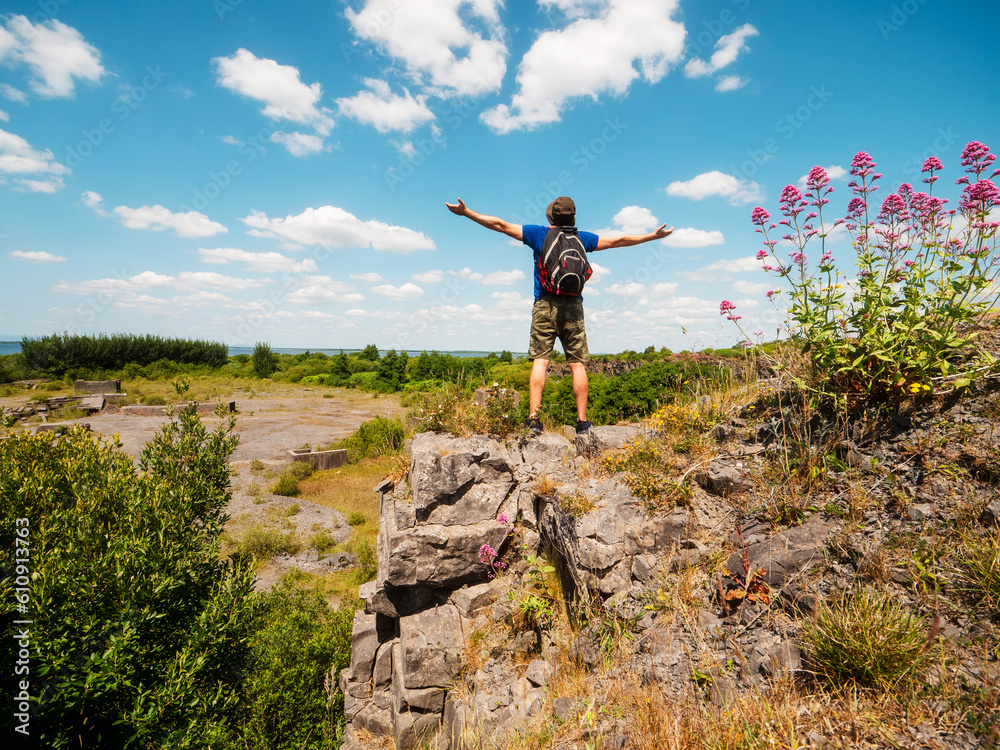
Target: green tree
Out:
[506,357]
[392,371]
[369,353]
[265,362]
[139,630]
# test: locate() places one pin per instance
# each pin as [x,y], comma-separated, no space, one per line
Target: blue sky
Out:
[245,171]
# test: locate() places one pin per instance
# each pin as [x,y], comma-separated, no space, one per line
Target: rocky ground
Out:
[697,609]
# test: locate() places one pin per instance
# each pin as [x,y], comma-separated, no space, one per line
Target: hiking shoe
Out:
[534,425]
[582,426]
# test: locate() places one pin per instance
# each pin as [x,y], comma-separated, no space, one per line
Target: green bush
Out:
[365,565]
[356,518]
[142,630]
[300,470]
[299,641]
[263,543]
[374,438]
[865,639]
[287,486]
[264,361]
[60,354]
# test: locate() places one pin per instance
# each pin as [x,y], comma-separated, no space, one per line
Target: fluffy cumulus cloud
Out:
[450,47]
[141,283]
[323,290]
[689,237]
[503,278]
[727,49]
[407,291]
[730,83]
[57,55]
[159,218]
[333,227]
[384,110]
[35,256]
[431,276]
[723,269]
[284,95]
[299,144]
[737,191]
[623,40]
[32,170]
[371,277]
[262,262]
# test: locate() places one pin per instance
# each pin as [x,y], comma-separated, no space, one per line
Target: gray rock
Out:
[991,515]
[920,512]
[538,673]
[431,647]
[414,729]
[376,720]
[459,481]
[788,553]
[599,439]
[471,599]
[404,699]
[382,672]
[722,479]
[565,709]
[545,449]
[364,643]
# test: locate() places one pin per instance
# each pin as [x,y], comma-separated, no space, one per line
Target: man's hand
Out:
[459,209]
[662,232]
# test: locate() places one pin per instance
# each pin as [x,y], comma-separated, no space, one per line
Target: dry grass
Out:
[545,486]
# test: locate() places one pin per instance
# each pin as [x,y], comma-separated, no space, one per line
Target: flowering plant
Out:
[925,278]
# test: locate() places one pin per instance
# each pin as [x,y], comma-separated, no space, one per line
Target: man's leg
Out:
[580,389]
[539,369]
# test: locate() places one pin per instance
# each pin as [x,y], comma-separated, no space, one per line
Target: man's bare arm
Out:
[627,240]
[490,222]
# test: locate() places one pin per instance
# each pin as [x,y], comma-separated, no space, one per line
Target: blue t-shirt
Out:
[534,236]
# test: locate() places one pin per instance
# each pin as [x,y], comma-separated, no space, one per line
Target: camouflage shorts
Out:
[562,318]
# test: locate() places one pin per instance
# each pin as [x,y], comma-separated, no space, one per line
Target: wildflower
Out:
[932,164]
[503,520]
[797,257]
[725,306]
[759,216]
[761,254]
[817,179]
[487,554]
[771,293]
[862,165]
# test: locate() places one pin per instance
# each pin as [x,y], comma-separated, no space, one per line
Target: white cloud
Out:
[205,299]
[36,256]
[727,49]
[407,291]
[299,144]
[467,274]
[722,269]
[12,94]
[50,185]
[429,35]
[428,277]
[158,218]
[186,281]
[279,87]
[730,83]
[231,140]
[747,287]
[634,289]
[635,220]
[263,262]
[688,237]
[406,149]
[57,54]
[601,54]
[738,192]
[504,278]
[599,272]
[4,116]
[369,277]
[329,226]
[665,287]
[319,290]
[386,111]
[17,157]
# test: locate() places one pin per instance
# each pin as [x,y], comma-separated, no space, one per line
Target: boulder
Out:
[431,644]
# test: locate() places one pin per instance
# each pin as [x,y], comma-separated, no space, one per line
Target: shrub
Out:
[286,486]
[144,628]
[264,361]
[374,438]
[925,280]
[864,638]
[300,470]
[299,640]
[263,543]
[356,518]
[365,564]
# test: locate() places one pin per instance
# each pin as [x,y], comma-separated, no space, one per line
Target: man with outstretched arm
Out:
[556,315]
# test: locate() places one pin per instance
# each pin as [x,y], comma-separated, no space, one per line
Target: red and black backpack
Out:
[563,267]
